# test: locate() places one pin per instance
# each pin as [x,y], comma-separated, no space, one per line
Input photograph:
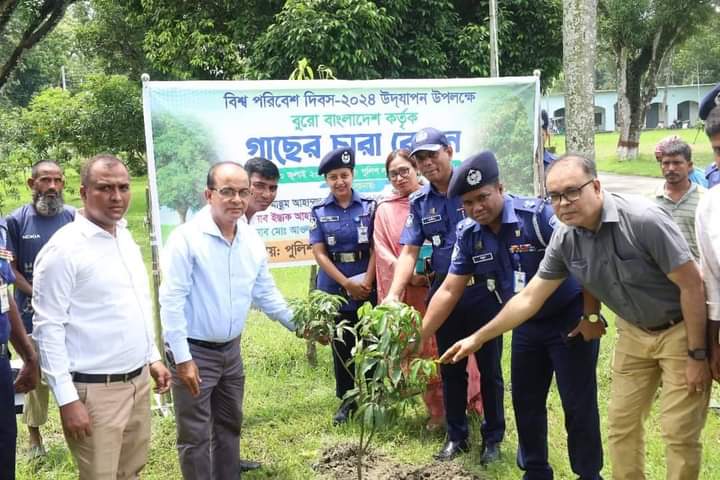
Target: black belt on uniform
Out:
[210,345]
[347,257]
[105,378]
[662,327]
[4,350]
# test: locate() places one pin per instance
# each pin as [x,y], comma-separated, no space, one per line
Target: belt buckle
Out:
[347,257]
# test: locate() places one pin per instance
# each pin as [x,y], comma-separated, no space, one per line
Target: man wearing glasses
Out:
[214,267]
[630,255]
[434,216]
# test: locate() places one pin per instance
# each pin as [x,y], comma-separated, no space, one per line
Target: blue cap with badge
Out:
[476,171]
[709,101]
[343,157]
[429,139]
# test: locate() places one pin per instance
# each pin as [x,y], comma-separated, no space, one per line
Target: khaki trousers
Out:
[35,411]
[643,361]
[120,418]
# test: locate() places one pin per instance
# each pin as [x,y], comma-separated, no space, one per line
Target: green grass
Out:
[645,164]
[289,405]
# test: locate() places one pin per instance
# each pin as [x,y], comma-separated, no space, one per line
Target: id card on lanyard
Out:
[4,297]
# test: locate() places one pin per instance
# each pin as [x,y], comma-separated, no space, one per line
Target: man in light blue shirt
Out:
[214,268]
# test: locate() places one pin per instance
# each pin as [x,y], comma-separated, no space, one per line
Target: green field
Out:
[289,405]
[645,164]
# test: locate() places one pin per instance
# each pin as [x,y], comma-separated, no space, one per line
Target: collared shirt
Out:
[27,233]
[495,259]
[712,174]
[343,230]
[683,211]
[433,217]
[625,263]
[92,306]
[6,278]
[209,284]
[707,227]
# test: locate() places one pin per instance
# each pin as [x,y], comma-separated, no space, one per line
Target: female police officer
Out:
[341,229]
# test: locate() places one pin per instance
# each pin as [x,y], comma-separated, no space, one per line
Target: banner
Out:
[191,125]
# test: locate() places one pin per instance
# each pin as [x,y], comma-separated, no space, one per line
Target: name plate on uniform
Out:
[431,219]
[330,219]
[483,257]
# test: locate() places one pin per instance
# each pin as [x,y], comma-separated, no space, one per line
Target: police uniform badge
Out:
[529,203]
[478,245]
[455,252]
[313,222]
[409,221]
[331,240]
[421,136]
[473,177]
[345,158]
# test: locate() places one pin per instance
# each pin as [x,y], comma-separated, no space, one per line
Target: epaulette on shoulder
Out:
[420,192]
[527,204]
[464,225]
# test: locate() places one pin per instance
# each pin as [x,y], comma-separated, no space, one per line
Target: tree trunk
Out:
[579,40]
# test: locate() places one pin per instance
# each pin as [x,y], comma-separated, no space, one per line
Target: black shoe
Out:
[247,465]
[344,413]
[490,453]
[451,450]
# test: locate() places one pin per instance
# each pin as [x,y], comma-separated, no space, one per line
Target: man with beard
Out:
[29,229]
[679,195]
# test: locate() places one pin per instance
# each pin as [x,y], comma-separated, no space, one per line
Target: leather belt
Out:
[664,326]
[210,345]
[105,378]
[347,257]
[4,352]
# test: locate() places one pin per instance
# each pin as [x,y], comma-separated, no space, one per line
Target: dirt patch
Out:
[340,463]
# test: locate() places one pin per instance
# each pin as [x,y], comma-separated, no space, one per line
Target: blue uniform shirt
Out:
[548,158]
[343,230]
[433,217]
[7,277]
[712,173]
[28,232]
[519,246]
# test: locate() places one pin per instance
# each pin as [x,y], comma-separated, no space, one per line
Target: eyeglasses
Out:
[400,172]
[229,193]
[571,194]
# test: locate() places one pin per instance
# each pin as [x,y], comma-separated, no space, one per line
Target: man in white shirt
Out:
[93,326]
[214,266]
[707,229]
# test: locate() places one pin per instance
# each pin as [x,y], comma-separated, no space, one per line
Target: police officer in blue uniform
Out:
[341,229]
[434,216]
[11,328]
[498,250]
[710,113]
[548,156]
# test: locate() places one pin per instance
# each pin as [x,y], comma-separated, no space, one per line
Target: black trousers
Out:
[8,427]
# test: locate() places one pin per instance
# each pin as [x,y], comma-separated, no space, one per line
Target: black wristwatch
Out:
[698,354]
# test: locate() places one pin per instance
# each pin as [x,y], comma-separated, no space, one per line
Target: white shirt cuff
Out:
[180,351]
[714,311]
[65,393]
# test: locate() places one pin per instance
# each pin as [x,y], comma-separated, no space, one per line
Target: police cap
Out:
[343,157]
[476,171]
[429,139]
[709,101]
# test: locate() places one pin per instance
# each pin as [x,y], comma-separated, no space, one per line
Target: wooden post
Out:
[311,351]
[164,402]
